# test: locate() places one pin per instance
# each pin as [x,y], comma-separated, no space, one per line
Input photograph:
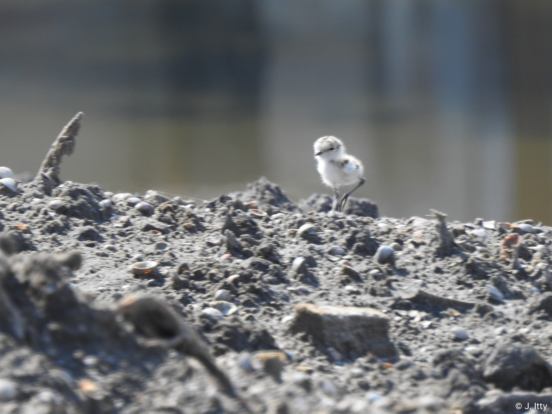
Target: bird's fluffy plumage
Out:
[336,167]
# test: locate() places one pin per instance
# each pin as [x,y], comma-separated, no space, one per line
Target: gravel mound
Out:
[121,303]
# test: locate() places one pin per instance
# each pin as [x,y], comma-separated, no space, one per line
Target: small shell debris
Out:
[132,201]
[120,197]
[257,213]
[223,295]
[106,203]
[527,228]
[144,268]
[56,204]
[9,183]
[226,308]
[213,314]
[297,263]
[305,230]
[490,225]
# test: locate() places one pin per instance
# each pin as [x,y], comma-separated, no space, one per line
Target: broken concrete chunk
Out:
[349,330]
[517,365]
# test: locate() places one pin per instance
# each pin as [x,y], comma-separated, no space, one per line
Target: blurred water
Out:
[447,102]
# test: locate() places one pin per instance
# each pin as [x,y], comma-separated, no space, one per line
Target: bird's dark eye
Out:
[331,149]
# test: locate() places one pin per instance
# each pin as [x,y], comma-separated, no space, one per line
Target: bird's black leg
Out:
[345,197]
[336,199]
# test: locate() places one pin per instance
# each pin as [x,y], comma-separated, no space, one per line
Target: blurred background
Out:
[447,102]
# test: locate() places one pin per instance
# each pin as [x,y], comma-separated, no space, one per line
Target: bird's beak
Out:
[318,153]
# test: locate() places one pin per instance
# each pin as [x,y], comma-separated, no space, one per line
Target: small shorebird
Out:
[337,168]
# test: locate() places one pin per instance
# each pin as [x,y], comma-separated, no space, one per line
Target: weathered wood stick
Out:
[63,145]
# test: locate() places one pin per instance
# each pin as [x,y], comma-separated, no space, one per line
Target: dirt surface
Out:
[247,307]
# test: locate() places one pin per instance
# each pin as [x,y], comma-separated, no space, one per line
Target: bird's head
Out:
[328,147]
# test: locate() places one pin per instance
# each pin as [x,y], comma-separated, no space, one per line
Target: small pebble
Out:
[336,251]
[396,246]
[90,361]
[144,208]
[384,254]
[460,334]
[495,294]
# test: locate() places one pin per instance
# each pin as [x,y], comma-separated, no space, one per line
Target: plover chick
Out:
[337,168]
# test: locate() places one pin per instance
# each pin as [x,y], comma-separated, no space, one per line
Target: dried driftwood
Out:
[157,321]
[64,144]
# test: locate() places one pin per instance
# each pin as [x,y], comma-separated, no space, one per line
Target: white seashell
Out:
[286,319]
[5,172]
[106,203]
[226,308]
[120,197]
[305,229]
[213,314]
[297,263]
[144,268]
[132,201]
[223,295]
[491,225]
[56,204]
[527,228]
[9,183]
